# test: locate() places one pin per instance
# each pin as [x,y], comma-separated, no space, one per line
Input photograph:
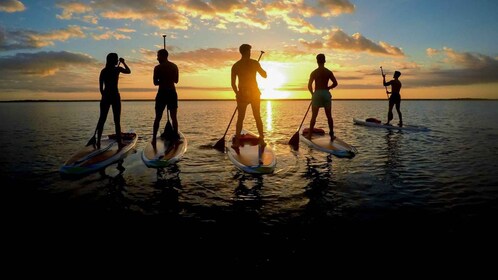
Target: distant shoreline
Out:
[345,99]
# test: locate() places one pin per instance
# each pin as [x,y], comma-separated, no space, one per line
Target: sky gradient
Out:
[444,49]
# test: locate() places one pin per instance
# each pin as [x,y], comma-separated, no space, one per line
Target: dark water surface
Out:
[402,187]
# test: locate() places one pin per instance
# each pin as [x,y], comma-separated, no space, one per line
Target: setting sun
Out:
[276,79]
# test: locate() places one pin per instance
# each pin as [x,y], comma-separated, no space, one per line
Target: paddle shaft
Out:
[382,72]
[309,106]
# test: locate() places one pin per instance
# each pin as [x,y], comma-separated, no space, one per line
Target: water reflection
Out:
[269,116]
[393,163]
[167,189]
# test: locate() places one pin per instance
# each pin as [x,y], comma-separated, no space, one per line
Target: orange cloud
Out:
[11,6]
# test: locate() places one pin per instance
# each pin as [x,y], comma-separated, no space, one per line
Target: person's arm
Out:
[334,81]
[101,82]
[125,70]
[261,71]
[310,83]
[384,80]
[177,75]
[155,76]
[234,78]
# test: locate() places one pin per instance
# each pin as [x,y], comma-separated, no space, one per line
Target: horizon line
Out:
[265,99]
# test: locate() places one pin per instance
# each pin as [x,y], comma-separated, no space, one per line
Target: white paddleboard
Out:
[249,157]
[321,141]
[380,125]
[90,159]
[165,152]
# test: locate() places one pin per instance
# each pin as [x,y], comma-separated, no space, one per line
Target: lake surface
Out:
[402,184]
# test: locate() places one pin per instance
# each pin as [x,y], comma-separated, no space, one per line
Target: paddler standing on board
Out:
[321,96]
[247,91]
[395,98]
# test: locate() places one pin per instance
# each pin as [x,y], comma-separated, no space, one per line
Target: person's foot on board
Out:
[121,145]
[332,136]
[400,124]
[177,139]
[236,144]
[262,142]
[387,123]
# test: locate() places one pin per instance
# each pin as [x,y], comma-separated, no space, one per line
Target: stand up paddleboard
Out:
[250,157]
[90,159]
[321,141]
[371,122]
[165,152]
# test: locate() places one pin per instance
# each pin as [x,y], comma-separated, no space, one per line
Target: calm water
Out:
[401,184]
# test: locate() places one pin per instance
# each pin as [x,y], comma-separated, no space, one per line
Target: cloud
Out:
[48,71]
[71,8]
[460,68]
[219,14]
[11,6]
[110,35]
[27,39]
[339,40]
[199,60]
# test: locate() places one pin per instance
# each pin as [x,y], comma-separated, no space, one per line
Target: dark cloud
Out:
[28,39]
[48,71]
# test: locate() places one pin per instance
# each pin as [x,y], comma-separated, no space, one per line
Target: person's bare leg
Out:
[174,119]
[256,112]
[398,105]
[116,111]
[330,120]
[314,114]
[241,113]
[390,113]
[157,121]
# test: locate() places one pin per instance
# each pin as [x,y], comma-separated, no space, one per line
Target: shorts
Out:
[169,98]
[395,98]
[321,98]
[248,96]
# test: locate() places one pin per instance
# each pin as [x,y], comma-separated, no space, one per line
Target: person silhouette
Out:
[395,98]
[321,96]
[165,77]
[108,84]
[247,91]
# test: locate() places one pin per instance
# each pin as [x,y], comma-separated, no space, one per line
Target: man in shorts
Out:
[321,96]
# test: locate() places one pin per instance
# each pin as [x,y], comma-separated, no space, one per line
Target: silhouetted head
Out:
[396,74]
[112,59]
[245,49]
[162,55]
[320,58]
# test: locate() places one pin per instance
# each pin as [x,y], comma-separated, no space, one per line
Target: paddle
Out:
[168,129]
[92,140]
[294,141]
[382,72]
[220,145]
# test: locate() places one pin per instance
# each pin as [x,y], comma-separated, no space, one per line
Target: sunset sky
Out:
[443,48]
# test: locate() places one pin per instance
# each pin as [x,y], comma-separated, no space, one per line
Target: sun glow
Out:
[275,80]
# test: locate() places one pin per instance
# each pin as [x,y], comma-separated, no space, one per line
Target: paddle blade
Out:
[220,145]
[294,141]
[168,131]
[92,141]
